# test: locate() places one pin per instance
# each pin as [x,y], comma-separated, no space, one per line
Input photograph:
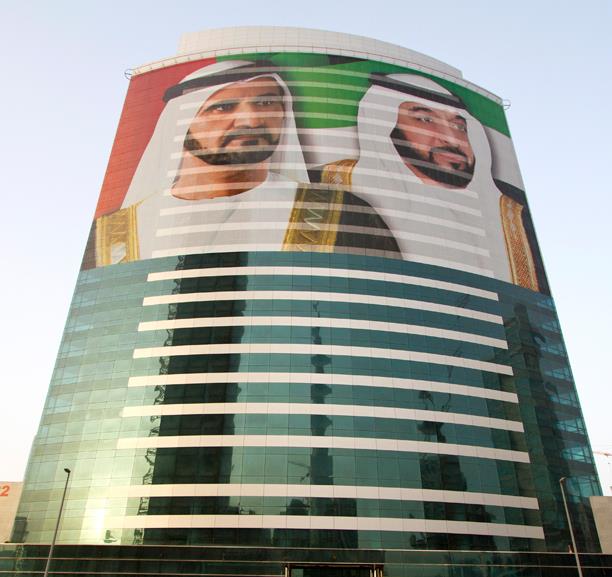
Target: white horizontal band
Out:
[310,349]
[188,120]
[272,408]
[309,41]
[320,272]
[319,491]
[296,295]
[260,247]
[238,185]
[323,378]
[249,205]
[324,523]
[320,442]
[326,322]
[280,167]
[185,230]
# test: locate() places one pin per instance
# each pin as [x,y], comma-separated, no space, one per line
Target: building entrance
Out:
[336,570]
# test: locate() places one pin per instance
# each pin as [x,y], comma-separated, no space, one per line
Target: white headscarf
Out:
[382,178]
[162,157]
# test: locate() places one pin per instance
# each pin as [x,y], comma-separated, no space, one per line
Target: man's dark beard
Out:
[254,154]
[426,163]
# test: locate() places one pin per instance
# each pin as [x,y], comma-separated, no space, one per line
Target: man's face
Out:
[434,143]
[239,124]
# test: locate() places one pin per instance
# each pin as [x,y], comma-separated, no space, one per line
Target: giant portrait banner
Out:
[308,152]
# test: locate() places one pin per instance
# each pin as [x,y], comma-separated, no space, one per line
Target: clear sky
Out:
[63,88]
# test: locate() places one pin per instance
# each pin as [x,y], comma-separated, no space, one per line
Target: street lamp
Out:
[59,518]
[569,524]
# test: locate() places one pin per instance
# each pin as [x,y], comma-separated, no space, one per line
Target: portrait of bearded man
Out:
[425,165]
[224,172]
[220,172]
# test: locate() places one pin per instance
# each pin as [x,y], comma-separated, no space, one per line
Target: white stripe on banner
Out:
[194,229]
[248,205]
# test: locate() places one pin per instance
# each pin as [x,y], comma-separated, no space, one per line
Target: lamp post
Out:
[59,518]
[569,524]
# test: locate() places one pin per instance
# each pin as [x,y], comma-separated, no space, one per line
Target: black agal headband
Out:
[238,74]
[400,86]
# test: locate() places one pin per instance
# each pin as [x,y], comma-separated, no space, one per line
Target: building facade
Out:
[312,328]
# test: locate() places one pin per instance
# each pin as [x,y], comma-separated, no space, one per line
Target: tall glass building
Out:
[312,333]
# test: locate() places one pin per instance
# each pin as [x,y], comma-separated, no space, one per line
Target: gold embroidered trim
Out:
[314,220]
[339,173]
[311,225]
[117,237]
[522,266]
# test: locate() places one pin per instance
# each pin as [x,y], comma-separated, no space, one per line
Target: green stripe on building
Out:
[327,95]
